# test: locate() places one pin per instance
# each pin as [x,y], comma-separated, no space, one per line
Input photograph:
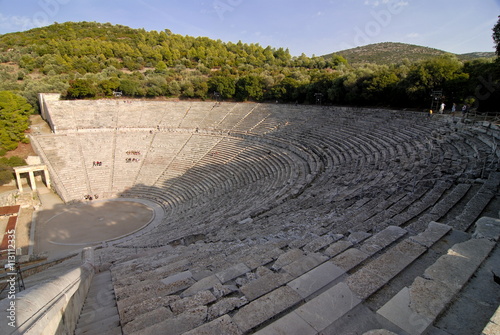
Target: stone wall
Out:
[52,307]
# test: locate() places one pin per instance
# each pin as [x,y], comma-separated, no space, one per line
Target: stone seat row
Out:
[293,280]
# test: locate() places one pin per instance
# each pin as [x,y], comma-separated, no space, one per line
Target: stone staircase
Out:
[99,314]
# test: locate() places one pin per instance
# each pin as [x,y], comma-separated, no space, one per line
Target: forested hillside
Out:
[395,53]
[88,59]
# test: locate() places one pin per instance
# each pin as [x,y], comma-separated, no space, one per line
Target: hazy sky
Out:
[312,27]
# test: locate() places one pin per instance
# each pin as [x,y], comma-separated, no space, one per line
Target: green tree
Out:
[224,84]
[14,120]
[81,88]
[496,36]
[249,87]
[6,168]
[108,86]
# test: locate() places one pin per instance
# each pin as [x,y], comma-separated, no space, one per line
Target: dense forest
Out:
[88,59]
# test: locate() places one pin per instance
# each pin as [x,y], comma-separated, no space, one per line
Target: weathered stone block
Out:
[287,258]
[290,324]
[349,258]
[316,279]
[232,272]
[337,247]
[304,264]
[266,307]
[434,232]
[328,307]
[201,285]
[222,325]
[199,299]
[265,284]
[224,306]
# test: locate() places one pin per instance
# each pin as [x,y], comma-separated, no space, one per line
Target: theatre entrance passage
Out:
[31,169]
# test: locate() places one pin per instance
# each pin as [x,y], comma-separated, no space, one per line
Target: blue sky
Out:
[314,27]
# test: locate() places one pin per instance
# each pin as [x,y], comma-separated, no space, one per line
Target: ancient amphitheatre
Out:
[283,219]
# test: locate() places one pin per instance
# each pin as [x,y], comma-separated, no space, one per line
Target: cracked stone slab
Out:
[455,268]
[349,258]
[264,284]
[265,308]
[434,232]
[380,271]
[328,307]
[178,325]
[232,272]
[337,247]
[286,258]
[488,228]
[222,325]
[304,264]
[290,324]
[382,239]
[201,285]
[200,298]
[316,279]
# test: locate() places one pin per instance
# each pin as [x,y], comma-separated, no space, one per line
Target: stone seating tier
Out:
[250,189]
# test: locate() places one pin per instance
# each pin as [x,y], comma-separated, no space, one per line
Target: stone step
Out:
[329,293]
[105,326]
[99,314]
[415,308]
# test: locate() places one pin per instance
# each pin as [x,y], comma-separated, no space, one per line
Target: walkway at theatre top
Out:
[284,219]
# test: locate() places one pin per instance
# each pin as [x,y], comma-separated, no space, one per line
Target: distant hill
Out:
[390,53]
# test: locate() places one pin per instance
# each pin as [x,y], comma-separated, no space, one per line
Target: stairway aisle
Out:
[100,314]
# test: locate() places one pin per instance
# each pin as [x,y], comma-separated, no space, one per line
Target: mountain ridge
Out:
[395,52]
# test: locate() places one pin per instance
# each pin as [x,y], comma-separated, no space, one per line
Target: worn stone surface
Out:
[432,234]
[287,258]
[182,323]
[488,228]
[382,239]
[264,284]
[150,289]
[257,259]
[145,320]
[398,311]
[379,332]
[328,307]
[358,236]
[337,247]
[224,306]
[378,272]
[232,272]
[349,258]
[262,271]
[203,284]
[181,276]
[130,311]
[316,279]
[428,298]
[290,324]
[222,326]
[266,307]
[318,243]
[462,260]
[220,290]
[304,264]
[200,298]
[493,326]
